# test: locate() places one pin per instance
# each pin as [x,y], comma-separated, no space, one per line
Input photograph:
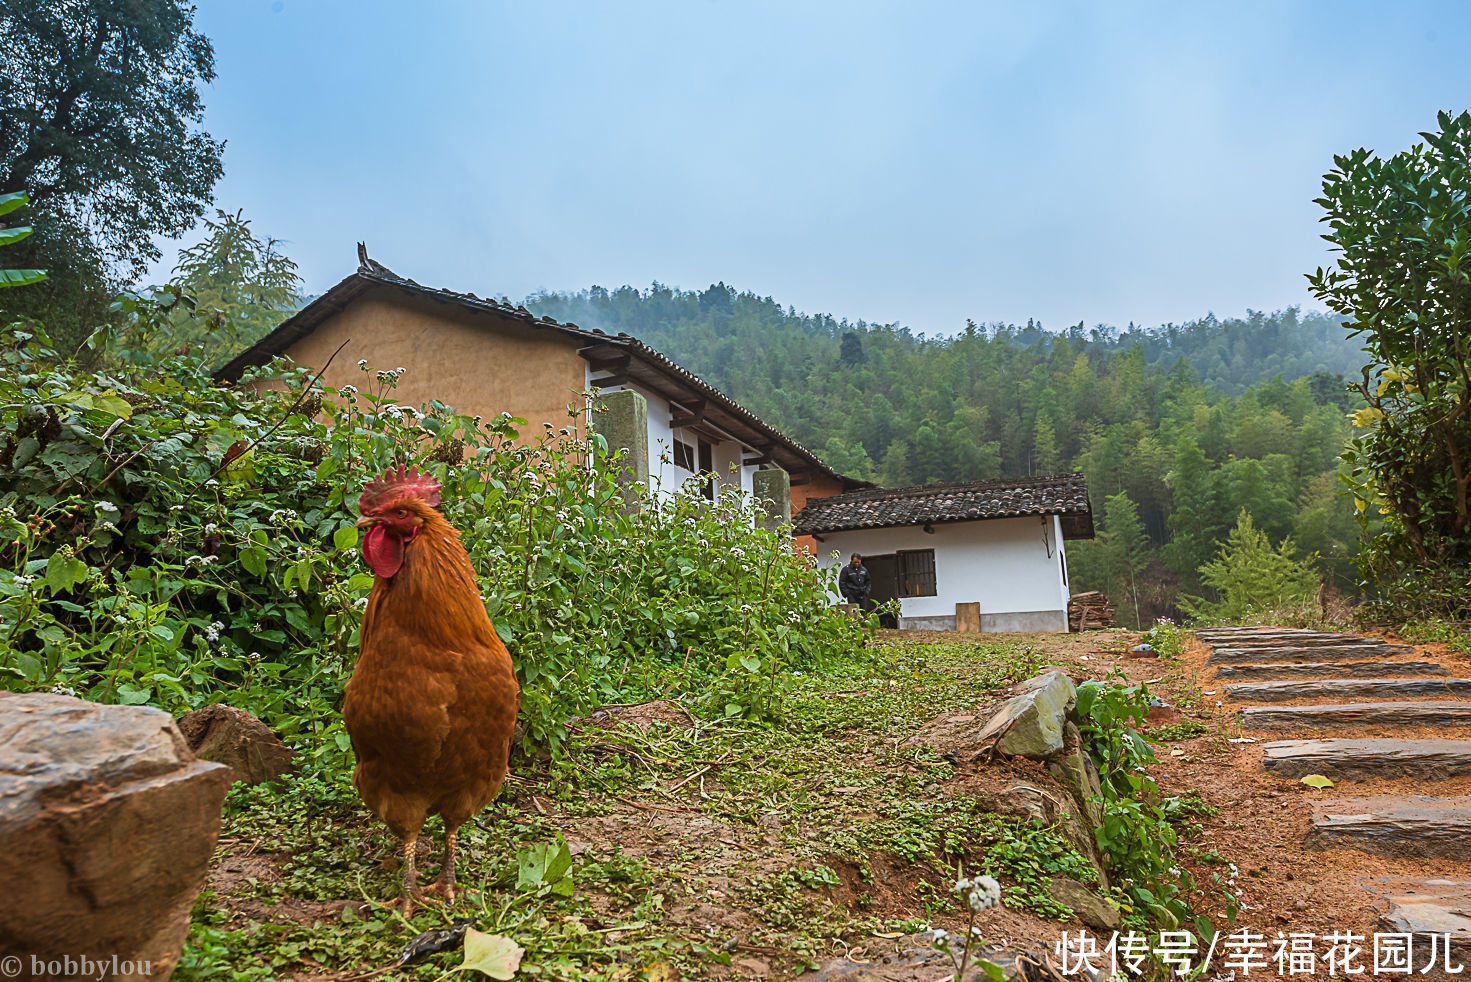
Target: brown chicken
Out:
[432,702]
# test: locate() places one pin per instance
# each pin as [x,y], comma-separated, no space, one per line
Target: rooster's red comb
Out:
[398,484]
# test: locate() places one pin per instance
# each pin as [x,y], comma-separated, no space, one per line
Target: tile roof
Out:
[684,384]
[1062,494]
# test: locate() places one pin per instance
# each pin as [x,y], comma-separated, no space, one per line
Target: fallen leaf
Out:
[491,954]
[1243,739]
[1317,781]
[661,972]
[888,934]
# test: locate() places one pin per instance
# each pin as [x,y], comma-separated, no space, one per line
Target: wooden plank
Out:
[1378,688]
[1332,669]
[1354,715]
[1421,826]
[1365,760]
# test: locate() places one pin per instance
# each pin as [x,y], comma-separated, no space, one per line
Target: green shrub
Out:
[1252,579]
[138,566]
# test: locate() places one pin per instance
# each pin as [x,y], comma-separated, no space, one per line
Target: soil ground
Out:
[827,842]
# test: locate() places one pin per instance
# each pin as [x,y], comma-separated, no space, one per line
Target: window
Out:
[697,458]
[917,573]
[684,455]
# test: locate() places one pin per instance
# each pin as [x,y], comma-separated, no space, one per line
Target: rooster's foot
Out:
[443,888]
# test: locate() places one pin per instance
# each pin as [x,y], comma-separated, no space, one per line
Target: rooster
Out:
[433,699]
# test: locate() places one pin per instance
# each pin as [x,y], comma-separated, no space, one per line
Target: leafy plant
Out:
[1401,227]
[10,236]
[1136,837]
[1251,578]
[167,540]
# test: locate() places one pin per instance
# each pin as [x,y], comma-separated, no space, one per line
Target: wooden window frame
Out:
[916,573]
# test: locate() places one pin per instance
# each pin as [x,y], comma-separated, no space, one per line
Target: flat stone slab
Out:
[1346,689]
[1331,669]
[1426,907]
[1352,715]
[1436,828]
[1283,637]
[1365,760]
[1286,653]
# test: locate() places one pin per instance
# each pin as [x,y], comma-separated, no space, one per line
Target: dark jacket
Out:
[853,583]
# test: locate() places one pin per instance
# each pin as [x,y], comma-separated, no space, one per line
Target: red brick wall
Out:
[821,486]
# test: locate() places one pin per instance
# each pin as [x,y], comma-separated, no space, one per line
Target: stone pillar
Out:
[622,418]
[773,490]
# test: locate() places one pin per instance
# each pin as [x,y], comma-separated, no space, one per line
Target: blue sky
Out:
[922,162]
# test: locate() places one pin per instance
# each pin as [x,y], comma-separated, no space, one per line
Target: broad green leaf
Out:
[994,971]
[345,537]
[13,200]
[254,560]
[129,694]
[9,236]
[543,865]
[490,954]
[115,405]
[1317,781]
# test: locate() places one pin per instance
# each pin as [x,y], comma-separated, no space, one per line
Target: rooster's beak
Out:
[366,522]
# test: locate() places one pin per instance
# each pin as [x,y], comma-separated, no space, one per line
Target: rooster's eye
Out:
[403,513]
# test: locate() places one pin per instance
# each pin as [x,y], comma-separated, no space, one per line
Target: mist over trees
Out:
[1178,428]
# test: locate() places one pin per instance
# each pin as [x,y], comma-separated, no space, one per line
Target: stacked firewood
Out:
[1089,611]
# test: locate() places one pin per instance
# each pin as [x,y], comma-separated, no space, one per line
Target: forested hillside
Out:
[1178,429]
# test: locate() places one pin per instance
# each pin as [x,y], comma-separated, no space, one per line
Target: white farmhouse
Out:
[942,548]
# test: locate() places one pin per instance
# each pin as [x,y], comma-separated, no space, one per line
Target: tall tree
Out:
[1125,546]
[242,286]
[99,121]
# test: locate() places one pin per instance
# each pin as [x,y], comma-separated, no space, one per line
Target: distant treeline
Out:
[1177,428]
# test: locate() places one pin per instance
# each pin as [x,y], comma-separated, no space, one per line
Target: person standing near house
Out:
[854,584]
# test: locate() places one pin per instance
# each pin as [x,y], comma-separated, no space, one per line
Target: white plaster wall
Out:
[1001,563]
[664,476]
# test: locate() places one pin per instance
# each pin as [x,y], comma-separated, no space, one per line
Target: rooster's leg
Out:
[444,883]
[410,895]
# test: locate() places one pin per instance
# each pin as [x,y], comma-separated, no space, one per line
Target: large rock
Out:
[107,824]
[1030,724]
[1093,910]
[238,740]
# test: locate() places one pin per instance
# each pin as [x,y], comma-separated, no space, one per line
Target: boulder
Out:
[107,825]
[1030,724]
[238,740]
[1093,910]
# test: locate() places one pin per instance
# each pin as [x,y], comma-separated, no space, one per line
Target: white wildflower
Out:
[24,581]
[348,390]
[981,893]
[362,363]
[106,506]
[400,370]
[209,528]
[63,690]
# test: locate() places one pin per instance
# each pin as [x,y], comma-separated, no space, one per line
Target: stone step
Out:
[1432,828]
[1445,712]
[1346,689]
[1283,637]
[1430,907]
[1283,653]
[1332,669]
[1366,760]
